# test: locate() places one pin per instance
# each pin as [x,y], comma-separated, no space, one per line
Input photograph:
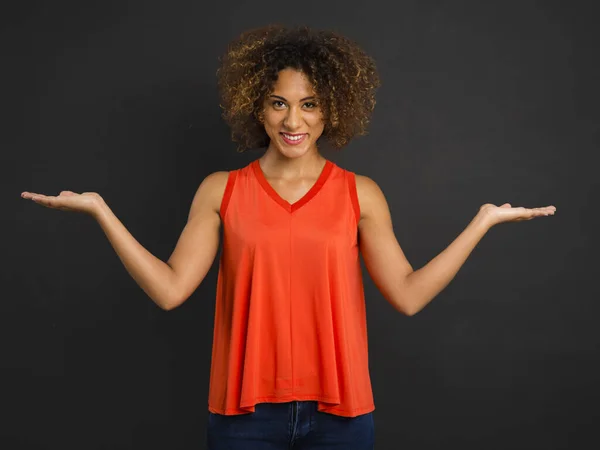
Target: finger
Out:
[42,199]
[34,196]
[48,201]
[547,210]
[537,212]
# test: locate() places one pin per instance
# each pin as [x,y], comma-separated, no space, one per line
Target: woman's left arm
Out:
[409,290]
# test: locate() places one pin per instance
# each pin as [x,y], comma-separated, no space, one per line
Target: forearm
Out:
[424,284]
[154,276]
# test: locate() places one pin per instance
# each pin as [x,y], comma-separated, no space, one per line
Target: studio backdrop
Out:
[480,102]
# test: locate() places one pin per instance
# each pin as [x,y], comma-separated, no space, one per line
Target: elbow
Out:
[169,304]
[164,306]
[412,308]
[407,308]
[172,305]
[403,308]
[172,299]
[409,311]
[404,299]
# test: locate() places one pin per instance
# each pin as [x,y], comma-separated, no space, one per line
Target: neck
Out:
[276,165]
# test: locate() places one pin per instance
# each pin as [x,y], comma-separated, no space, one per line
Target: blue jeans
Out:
[291,425]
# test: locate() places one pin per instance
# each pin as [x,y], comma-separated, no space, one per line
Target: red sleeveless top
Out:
[290,315]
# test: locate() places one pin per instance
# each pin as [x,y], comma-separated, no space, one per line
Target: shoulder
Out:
[370,196]
[365,183]
[213,187]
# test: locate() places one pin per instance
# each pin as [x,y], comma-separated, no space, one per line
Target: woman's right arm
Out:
[170,284]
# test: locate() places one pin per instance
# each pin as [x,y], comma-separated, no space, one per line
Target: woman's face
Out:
[292,115]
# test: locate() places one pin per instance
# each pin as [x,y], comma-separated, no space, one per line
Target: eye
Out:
[312,105]
[275,103]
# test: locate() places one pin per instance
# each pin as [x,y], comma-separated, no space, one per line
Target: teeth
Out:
[293,138]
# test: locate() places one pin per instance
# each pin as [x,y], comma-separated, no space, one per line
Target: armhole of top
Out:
[350,176]
[227,194]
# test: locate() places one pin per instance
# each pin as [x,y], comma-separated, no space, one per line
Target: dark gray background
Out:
[480,102]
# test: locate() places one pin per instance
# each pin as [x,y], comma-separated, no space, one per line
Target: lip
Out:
[299,141]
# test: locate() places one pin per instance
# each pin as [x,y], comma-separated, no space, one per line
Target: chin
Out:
[291,151]
[294,152]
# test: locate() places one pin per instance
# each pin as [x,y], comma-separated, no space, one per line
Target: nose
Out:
[292,119]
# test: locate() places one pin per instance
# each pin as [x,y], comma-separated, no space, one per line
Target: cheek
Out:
[272,119]
[317,122]
[319,119]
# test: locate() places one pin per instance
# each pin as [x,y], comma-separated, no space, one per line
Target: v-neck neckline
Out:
[291,207]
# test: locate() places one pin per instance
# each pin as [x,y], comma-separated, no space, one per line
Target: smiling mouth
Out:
[293,139]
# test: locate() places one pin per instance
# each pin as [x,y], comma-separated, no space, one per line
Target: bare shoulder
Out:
[370,197]
[210,192]
[218,182]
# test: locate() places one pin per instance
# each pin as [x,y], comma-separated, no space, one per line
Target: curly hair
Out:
[342,75]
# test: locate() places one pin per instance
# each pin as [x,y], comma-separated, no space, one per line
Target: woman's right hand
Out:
[87,202]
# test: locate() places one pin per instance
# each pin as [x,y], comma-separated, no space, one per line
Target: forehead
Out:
[293,83]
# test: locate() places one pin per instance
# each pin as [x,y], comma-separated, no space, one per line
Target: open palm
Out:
[86,202]
[507,213]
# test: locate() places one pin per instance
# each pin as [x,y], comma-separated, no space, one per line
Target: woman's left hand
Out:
[494,215]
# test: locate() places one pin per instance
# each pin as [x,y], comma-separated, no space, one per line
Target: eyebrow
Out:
[302,99]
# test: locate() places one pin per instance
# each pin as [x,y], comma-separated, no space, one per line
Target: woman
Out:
[289,360]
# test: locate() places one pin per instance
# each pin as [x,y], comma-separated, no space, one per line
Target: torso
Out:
[292,192]
[289,191]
